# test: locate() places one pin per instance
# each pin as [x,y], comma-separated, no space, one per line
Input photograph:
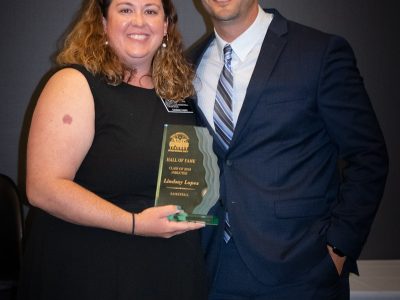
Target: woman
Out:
[93,154]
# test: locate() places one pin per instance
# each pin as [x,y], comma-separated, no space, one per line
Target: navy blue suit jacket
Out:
[305,111]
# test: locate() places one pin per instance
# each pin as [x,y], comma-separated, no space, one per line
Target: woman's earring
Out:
[106,43]
[165,41]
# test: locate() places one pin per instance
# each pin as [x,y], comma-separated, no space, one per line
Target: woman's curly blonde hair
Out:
[86,45]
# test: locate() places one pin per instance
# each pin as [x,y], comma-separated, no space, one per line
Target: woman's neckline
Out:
[137,87]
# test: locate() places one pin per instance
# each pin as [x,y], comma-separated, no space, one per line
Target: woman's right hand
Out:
[153,222]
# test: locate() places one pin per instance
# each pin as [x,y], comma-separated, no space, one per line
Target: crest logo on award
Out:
[179,142]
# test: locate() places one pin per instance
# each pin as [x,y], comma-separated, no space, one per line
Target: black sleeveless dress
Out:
[67,261]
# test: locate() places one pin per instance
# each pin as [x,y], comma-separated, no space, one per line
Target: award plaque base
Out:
[188,174]
[180,217]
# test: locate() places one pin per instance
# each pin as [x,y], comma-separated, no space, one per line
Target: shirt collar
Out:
[244,43]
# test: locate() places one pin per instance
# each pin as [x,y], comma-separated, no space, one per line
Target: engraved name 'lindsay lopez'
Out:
[181,182]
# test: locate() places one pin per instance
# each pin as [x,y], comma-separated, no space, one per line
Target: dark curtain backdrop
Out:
[31,31]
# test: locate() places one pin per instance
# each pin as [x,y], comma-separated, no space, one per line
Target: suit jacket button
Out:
[229,163]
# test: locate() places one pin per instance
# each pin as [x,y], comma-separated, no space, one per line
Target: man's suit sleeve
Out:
[351,122]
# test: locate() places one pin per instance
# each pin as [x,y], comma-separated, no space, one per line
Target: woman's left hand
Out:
[154,222]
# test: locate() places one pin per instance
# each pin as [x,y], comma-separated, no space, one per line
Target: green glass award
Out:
[188,175]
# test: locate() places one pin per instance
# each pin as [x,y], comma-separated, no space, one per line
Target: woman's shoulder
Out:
[67,76]
[77,73]
[75,70]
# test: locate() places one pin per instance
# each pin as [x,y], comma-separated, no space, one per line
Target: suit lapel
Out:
[271,49]
[202,121]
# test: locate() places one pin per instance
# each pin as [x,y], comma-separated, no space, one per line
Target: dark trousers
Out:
[234,281]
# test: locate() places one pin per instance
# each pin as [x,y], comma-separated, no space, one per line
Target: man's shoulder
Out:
[295,29]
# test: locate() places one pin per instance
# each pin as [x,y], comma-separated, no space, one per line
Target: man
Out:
[303,160]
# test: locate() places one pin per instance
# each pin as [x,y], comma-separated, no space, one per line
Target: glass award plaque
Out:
[188,174]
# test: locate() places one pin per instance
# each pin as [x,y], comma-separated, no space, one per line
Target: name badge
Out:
[174,107]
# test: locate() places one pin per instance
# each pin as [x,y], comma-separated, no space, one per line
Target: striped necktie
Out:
[223,119]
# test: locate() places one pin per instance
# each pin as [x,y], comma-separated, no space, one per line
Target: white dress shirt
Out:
[246,49]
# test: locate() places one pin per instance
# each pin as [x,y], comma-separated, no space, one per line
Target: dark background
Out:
[30,33]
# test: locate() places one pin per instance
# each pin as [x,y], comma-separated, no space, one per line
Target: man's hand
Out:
[337,260]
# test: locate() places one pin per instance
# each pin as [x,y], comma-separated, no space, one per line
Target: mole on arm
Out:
[67,119]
